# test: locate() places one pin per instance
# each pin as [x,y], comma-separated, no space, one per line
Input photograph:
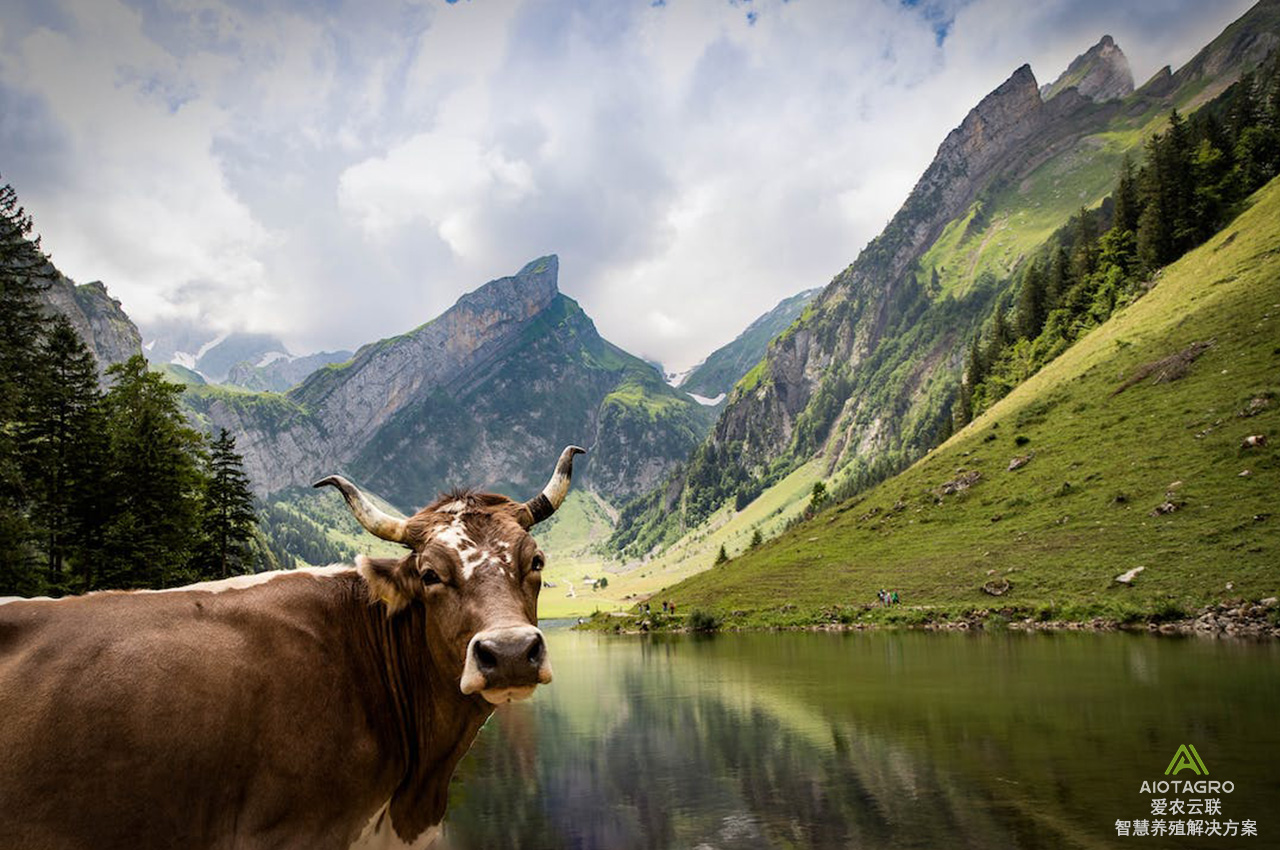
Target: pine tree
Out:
[155,481]
[1127,204]
[1084,247]
[1000,335]
[975,366]
[817,500]
[60,443]
[1181,188]
[1058,280]
[228,511]
[1032,302]
[24,274]
[963,413]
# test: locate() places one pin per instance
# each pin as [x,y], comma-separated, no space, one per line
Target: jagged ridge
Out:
[481,396]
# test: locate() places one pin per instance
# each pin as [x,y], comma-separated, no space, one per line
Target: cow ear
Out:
[390,580]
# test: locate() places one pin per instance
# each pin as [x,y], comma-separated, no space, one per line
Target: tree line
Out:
[102,489]
[1193,180]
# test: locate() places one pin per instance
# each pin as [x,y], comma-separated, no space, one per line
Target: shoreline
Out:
[1242,619]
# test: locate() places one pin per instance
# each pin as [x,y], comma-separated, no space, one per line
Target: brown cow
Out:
[319,708]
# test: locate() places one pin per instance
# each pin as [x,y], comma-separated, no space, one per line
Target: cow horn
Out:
[374,521]
[552,496]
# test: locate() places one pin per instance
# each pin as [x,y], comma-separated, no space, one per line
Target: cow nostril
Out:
[536,650]
[484,657]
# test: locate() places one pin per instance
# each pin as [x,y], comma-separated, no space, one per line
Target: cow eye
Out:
[430,577]
[538,563]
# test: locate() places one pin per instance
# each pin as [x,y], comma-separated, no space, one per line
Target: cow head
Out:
[476,570]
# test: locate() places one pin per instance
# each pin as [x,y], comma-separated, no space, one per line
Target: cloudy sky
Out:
[336,172]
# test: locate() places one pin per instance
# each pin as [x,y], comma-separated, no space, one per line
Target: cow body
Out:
[287,713]
[320,708]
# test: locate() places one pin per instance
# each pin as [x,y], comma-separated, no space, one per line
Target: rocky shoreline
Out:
[1229,619]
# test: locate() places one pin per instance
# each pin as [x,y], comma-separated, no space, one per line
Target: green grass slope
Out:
[1086,507]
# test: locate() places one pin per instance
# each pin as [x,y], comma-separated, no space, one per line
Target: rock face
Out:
[1101,73]
[485,395]
[97,317]
[1001,137]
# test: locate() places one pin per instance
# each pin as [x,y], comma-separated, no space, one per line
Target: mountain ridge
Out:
[480,395]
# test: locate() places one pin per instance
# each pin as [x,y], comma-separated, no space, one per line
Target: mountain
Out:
[1101,73]
[277,371]
[97,317]
[1130,452]
[724,367]
[866,379]
[217,358]
[483,395]
[254,361]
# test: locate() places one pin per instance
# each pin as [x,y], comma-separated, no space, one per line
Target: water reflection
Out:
[886,740]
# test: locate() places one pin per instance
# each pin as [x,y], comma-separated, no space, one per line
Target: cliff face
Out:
[1002,137]
[97,317]
[485,395]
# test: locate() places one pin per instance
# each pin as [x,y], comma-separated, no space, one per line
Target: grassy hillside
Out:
[1111,446]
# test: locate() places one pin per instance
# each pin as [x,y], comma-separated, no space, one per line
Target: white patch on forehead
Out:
[457,506]
[378,834]
[454,536]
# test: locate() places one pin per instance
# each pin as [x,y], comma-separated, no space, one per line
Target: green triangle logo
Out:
[1186,757]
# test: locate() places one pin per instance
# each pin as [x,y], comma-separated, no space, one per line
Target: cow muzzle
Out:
[505,665]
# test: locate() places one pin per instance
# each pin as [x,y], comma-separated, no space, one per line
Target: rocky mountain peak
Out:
[965,161]
[1000,113]
[515,298]
[1101,73]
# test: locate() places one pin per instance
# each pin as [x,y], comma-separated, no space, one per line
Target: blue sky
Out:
[335,172]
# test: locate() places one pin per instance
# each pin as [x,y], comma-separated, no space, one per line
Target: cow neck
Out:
[434,723]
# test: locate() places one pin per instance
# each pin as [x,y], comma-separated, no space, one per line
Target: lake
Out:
[877,740]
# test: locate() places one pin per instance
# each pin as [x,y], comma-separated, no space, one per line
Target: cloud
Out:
[292,169]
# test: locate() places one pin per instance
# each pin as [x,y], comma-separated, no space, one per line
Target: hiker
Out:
[895,597]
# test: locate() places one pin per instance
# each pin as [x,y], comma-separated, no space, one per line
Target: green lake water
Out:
[880,740]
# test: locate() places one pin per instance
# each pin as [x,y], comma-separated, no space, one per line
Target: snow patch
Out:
[271,357]
[707,402]
[211,344]
[675,379]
